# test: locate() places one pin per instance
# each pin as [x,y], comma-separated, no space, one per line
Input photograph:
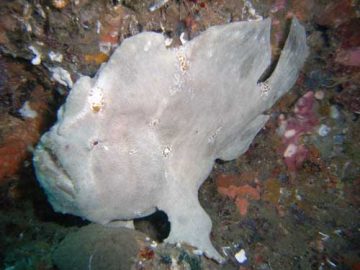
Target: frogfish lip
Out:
[51,174]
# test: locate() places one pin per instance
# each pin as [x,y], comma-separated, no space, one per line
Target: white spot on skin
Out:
[147,46]
[183,62]
[264,89]
[212,138]
[290,150]
[96,99]
[27,112]
[154,122]
[178,85]
[168,41]
[167,151]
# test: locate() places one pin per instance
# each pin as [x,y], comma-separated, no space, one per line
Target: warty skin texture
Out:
[143,134]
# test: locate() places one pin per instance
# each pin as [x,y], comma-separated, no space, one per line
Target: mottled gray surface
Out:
[144,133]
[97,247]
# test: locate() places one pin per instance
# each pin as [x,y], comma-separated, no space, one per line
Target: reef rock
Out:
[98,247]
[143,134]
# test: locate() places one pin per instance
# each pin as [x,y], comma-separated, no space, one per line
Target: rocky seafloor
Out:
[290,202]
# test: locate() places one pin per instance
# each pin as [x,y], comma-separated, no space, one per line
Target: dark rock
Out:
[98,247]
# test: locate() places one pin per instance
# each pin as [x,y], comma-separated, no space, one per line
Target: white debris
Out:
[334,112]
[37,58]
[289,133]
[241,256]
[226,250]
[98,27]
[157,4]
[55,56]
[319,95]
[90,261]
[183,38]
[26,111]
[290,150]
[331,263]
[282,125]
[25,18]
[324,236]
[249,10]
[62,76]
[174,264]
[324,130]
[153,244]
[41,11]
[105,47]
